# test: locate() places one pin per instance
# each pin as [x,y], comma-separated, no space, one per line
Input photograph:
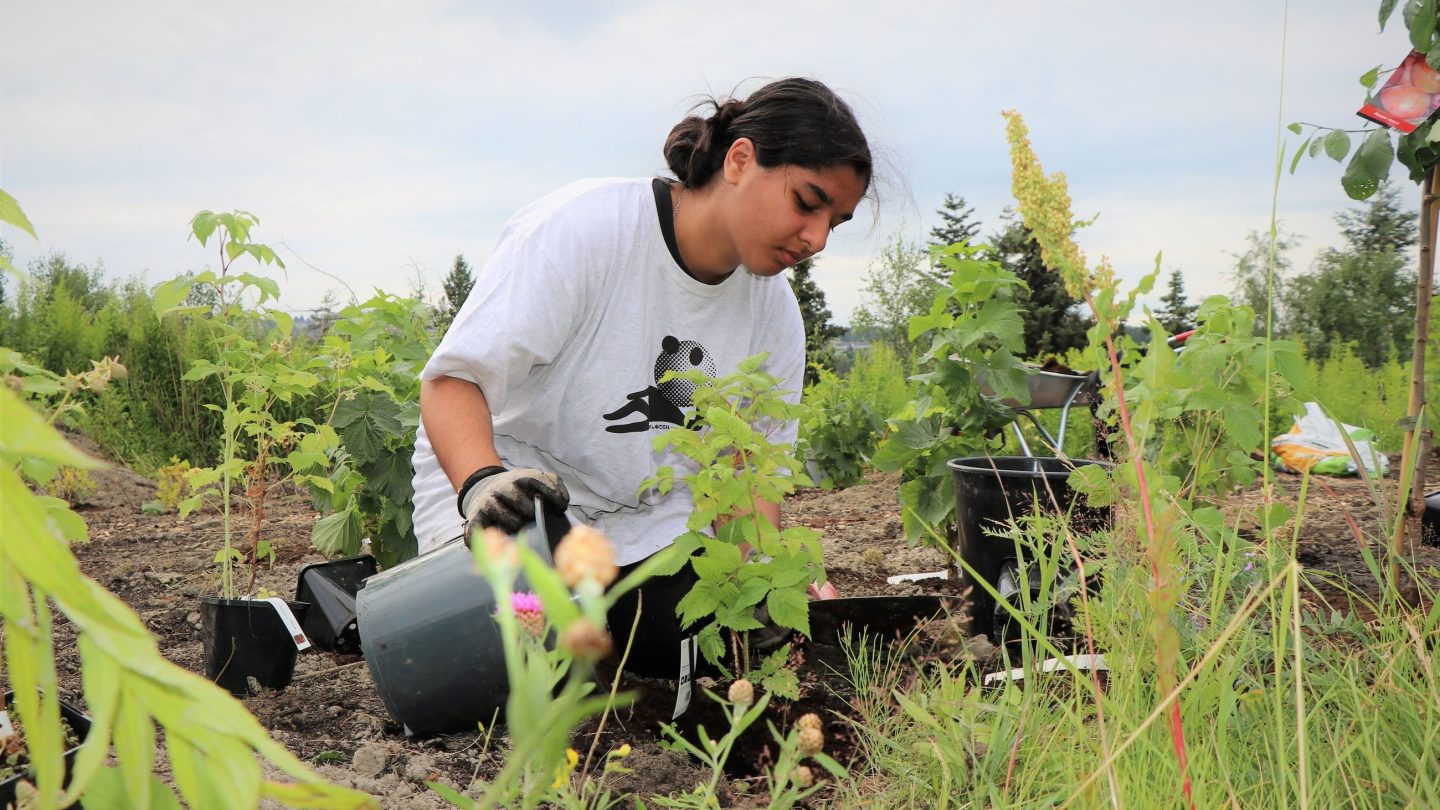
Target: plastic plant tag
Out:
[899,578]
[686,684]
[283,610]
[6,729]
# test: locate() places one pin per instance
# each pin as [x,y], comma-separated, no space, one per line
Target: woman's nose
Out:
[814,234]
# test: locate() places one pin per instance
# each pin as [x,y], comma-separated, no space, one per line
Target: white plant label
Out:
[686,684]
[296,634]
[6,729]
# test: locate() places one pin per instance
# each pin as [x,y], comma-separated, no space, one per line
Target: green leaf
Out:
[1369,77]
[107,792]
[1316,146]
[338,534]
[1387,7]
[782,682]
[168,295]
[10,212]
[1299,153]
[700,602]
[202,225]
[790,607]
[391,475]
[1295,128]
[1369,166]
[365,421]
[1337,145]
[1422,27]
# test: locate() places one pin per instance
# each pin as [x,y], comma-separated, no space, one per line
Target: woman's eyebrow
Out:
[825,199]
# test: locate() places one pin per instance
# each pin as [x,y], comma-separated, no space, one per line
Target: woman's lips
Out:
[791,259]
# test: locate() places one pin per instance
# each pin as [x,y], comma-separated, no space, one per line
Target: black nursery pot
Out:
[991,492]
[78,722]
[246,639]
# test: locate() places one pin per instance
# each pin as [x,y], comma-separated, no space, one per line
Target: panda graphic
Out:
[662,405]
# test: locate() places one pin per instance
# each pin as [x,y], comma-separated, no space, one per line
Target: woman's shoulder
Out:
[586,198]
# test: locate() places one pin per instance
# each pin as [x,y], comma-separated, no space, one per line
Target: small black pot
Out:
[330,589]
[78,721]
[245,640]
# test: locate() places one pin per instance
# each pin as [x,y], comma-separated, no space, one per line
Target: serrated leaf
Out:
[790,607]
[10,212]
[338,534]
[782,682]
[1337,145]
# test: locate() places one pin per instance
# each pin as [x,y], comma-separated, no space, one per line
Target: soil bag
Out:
[1316,445]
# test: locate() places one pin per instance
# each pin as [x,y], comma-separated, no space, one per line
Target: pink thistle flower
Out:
[529,612]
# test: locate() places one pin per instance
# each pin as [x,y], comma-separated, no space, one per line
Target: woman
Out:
[547,383]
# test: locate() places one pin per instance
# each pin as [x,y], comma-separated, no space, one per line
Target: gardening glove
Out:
[505,499]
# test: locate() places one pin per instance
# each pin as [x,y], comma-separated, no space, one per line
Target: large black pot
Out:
[990,493]
[247,646]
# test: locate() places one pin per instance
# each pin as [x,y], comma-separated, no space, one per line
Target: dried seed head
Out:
[742,693]
[803,776]
[584,553]
[499,548]
[586,640]
[811,741]
[810,720]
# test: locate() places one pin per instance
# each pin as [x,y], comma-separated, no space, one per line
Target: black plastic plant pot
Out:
[1430,520]
[78,722]
[247,646]
[990,493]
[432,643]
[330,589]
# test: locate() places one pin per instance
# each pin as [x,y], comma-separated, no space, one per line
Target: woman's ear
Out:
[739,159]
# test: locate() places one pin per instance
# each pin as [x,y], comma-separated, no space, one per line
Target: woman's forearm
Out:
[457,422]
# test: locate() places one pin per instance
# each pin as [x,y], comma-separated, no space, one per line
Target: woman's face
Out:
[782,215]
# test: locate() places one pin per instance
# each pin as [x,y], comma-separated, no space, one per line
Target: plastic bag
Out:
[1315,444]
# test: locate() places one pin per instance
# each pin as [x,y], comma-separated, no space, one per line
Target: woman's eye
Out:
[804,206]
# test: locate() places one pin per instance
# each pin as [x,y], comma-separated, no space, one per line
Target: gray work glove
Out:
[505,499]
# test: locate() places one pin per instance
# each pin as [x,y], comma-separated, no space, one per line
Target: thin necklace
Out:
[675,215]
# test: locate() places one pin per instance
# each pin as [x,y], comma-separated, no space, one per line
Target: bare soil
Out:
[332,715]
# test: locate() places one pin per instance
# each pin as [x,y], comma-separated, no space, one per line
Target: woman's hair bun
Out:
[798,122]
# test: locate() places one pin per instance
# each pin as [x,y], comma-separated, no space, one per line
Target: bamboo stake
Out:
[1413,501]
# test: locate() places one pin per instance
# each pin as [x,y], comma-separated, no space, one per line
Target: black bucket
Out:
[245,641]
[330,589]
[432,643]
[990,492]
[78,722]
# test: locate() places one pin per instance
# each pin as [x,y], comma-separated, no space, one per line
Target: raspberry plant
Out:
[744,562]
[974,331]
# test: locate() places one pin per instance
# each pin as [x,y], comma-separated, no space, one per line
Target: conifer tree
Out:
[819,331]
[457,288]
[957,224]
[1176,313]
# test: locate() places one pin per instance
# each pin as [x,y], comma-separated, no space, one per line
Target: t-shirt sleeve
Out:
[518,316]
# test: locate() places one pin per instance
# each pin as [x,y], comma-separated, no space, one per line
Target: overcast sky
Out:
[378,140]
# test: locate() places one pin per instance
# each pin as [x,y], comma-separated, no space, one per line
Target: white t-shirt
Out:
[578,312]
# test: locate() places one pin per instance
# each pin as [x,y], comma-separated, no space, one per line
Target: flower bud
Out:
[810,720]
[742,693]
[586,640]
[803,776]
[584,553]
[499,549]
[811,741]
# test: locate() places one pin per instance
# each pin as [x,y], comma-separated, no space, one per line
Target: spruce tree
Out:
[819,331]
[1053,321]
[457,288]
[957,224]
[1176,313]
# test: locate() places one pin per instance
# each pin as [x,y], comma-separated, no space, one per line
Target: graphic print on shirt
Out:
[662,405]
